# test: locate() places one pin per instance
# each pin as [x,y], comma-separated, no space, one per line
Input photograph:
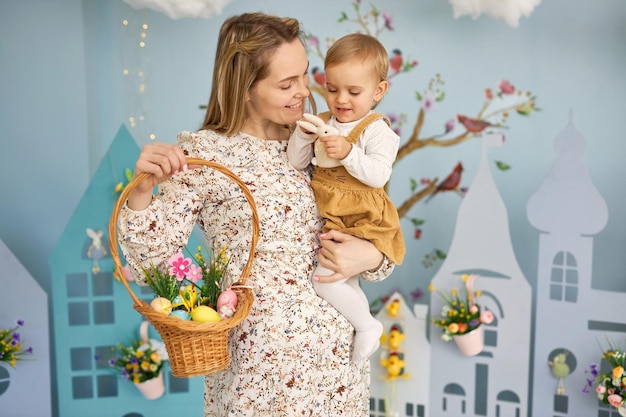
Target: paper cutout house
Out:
[494,383]
[92,311]
[573,316]
[406,395]
[25,390]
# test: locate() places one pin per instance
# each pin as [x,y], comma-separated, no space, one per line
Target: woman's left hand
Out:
[346,255]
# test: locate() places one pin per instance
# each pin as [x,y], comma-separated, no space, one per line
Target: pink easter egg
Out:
[227,302]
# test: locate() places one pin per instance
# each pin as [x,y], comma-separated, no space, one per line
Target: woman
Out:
[291,355]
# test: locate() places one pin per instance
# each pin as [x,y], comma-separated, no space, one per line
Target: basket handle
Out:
[113,246]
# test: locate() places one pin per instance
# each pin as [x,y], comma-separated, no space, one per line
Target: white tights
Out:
[350,300]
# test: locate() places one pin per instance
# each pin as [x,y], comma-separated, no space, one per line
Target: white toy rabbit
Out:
[96,250]
[316,125]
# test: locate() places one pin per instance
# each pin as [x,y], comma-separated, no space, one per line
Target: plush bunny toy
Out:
[316,125]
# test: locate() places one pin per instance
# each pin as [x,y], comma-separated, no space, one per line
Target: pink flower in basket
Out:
[179,266]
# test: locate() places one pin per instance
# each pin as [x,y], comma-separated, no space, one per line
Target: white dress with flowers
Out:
[291,355]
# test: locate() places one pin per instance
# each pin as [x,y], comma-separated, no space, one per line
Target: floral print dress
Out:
[291,355]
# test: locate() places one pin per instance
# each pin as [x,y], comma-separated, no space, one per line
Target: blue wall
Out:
[64,97]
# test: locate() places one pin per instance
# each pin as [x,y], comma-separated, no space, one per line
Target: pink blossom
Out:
[127,274]
[194,274]
[388,21]
[450,124]
[615,400]
[428,102]
[314,41]
[486,317]
[179,266]
[506,87]
[600,389]
[488,93]
[473,309]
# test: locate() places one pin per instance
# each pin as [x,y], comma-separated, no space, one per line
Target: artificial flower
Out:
[138,362]
[610,387]
[461,314]
[185,284]
[11,348]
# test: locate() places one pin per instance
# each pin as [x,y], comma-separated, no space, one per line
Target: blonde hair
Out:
[365,48]
[245,45]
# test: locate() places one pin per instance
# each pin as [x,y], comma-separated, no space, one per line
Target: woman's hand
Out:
[346,255]
[162,160]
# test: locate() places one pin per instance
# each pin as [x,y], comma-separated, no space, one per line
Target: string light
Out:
[134,42]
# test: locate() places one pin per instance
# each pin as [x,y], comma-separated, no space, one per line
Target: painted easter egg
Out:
[162,305]
[181,314]
[204,314]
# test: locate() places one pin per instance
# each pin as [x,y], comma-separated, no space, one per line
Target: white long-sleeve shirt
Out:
[370,160]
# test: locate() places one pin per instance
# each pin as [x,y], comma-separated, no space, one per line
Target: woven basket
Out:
[194,348]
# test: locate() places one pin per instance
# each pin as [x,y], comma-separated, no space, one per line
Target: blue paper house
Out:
[93,311]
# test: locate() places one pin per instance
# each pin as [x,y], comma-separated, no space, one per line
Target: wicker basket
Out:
[194,348]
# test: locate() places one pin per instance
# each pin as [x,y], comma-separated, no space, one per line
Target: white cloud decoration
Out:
[508,10]
[176,9]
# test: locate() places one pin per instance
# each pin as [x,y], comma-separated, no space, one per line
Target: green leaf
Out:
[418,96]
[413,184]
[417,222]
[129,174]
[502,166]
[440,254]
[441,96]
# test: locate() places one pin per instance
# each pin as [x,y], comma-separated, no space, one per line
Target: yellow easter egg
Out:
[204,314]
[162,305]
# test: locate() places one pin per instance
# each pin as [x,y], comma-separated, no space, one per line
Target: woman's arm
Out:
[162,160]
[349,256]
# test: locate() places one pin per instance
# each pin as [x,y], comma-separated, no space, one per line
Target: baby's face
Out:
[352,89]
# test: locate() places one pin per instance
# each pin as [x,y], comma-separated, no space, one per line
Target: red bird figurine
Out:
[450,183]
[319,77]
[476,125]
[395,62]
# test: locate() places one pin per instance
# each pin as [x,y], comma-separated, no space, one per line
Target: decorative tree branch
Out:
[416,197]
[499,103]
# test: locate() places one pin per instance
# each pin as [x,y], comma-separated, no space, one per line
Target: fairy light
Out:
[134,63]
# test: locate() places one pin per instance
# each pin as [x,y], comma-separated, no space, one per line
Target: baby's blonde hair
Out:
[365,48]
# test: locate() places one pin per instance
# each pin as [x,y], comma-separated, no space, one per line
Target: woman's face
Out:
[279,98]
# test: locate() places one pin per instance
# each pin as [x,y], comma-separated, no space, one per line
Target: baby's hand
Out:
[337,147]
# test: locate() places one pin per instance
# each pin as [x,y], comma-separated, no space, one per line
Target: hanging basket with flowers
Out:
[141,362]
[610,387]
[11,345]
[461,317]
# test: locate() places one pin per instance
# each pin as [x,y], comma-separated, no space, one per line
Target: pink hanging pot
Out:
[471,343]
[153,388]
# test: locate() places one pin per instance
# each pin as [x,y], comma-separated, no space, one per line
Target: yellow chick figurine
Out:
[188,297]
[395,337]
[394,366]
[393,308]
